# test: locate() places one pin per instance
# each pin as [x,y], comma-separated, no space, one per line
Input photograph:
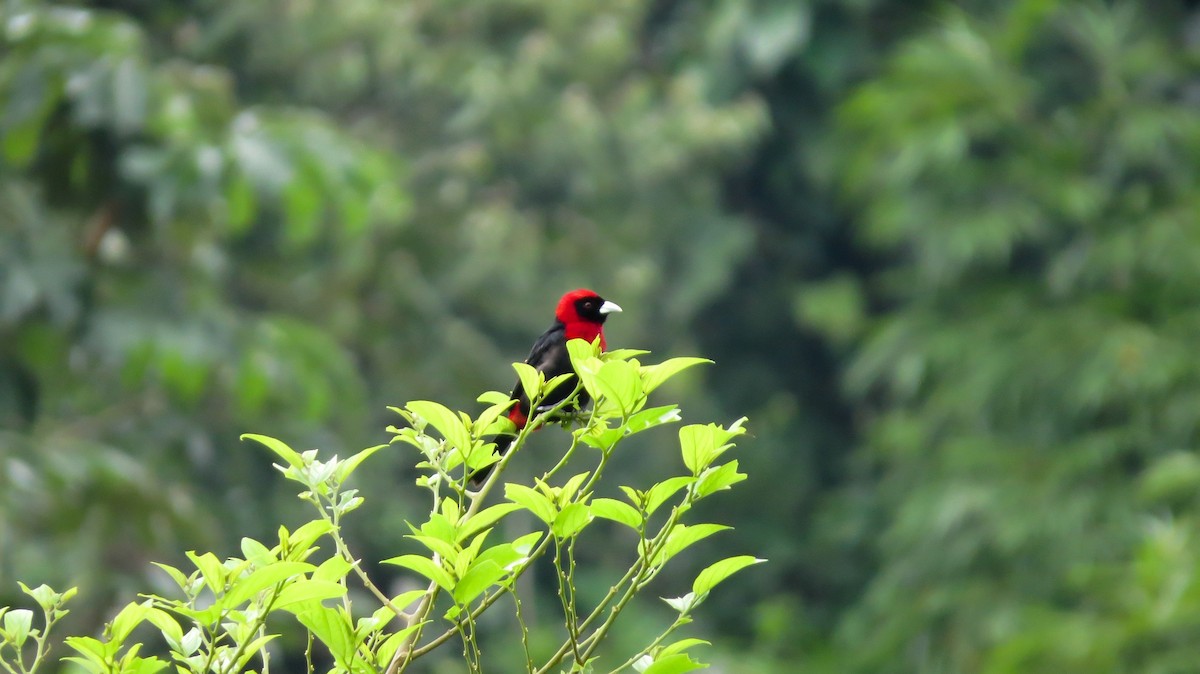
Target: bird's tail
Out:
[504,442]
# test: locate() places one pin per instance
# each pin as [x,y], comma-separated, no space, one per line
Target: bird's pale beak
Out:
[610,308]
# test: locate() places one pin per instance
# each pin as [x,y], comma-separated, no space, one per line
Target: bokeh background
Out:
[945,255]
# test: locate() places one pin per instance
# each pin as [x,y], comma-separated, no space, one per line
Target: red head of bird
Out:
[583,313]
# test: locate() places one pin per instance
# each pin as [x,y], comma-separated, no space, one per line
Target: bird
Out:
[580,314]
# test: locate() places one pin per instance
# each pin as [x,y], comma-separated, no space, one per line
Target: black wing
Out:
[549,356]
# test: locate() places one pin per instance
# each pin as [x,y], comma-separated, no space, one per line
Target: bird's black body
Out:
[580,315]
[549,356]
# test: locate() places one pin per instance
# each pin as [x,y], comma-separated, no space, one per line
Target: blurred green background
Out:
[946,256]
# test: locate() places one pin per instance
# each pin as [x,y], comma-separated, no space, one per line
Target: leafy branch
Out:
[219,620]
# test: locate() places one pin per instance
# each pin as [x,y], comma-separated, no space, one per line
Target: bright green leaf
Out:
[445,421]
[289,455]
[306,590]
[532,500]
[712,575]
[659,493]
[673,664]
[484,519]
[681,537]
[571,520]
[654,376]
[17,625]
[617,511]
[476,580]
[244,589]
[425,567]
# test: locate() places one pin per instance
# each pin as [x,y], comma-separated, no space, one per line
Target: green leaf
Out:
[333,569]
[43,594]
[586,364]
[387,649]
[289,455]
[651,417]
[332,628]
[530,378]
[717,572]
[490,416]
[348,466]
[405,599]
[673,664]
[166,624]
[681,646]
[623,354]
[659,493]
[717,478]
[484,519]
[257,553]
[441,527]
[445,421]
[211,570]
[697,442]
[446,550]
[95,653]
[618,383]
[481,455]
[681,604]
[654,376]
[17,624]
[126,620]
[425,567]
[482,575]
[504,555]
[303,538]
[244,589]
[617,511]
[494,398]
[307,590]
[568,490]
[571,520]
[532,500]
[253,649]
[467,557]
[681,537]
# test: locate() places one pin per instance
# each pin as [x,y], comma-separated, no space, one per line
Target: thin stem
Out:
[404,654]
[260,624]
[7,667]
[524,631]
[564,596]
[680,621]
[639,574]
[490,599]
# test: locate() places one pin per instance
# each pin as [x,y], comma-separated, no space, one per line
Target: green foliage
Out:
[220,616]
[1033,382]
